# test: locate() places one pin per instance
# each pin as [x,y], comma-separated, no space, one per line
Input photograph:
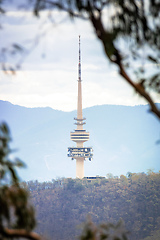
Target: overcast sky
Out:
[48,75]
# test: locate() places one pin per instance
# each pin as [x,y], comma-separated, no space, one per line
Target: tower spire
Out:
[79,65]
[79,102]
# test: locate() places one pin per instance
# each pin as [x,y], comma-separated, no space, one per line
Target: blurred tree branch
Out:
[19,233]
[115,57]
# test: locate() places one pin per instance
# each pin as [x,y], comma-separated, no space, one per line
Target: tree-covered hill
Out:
[63,204]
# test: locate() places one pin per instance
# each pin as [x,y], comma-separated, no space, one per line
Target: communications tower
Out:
[80,153]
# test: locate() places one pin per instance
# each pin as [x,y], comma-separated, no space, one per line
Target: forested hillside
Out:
[63,204]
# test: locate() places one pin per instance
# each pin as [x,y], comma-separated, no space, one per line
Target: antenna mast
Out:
[79,65]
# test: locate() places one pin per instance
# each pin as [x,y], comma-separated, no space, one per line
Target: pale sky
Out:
[49,73]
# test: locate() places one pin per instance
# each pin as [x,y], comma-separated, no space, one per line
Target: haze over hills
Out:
[124,139]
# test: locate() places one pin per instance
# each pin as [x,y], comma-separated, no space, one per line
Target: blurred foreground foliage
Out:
[16,213]
[104,231]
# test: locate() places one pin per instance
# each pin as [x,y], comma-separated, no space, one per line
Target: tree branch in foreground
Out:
[114,56]
[140,89]
[19,233]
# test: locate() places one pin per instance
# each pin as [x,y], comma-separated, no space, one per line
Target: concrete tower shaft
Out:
[79,104]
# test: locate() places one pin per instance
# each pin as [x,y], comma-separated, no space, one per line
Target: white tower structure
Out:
[80,153]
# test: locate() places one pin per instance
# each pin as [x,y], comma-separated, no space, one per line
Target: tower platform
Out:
[85,152]
[79,136]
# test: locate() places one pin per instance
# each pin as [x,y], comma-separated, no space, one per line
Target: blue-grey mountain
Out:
[124,139]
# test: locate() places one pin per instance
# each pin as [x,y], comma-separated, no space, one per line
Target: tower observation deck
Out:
[80,153]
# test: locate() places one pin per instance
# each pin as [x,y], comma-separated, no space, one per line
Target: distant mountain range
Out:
[124,139]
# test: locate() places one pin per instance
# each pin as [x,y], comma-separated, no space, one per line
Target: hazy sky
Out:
[49,72]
